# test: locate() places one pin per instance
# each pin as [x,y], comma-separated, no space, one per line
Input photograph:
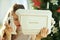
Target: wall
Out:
[6,4]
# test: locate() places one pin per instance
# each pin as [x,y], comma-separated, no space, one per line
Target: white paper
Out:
[32,21]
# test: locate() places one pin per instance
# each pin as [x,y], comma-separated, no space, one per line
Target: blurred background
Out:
[52,5]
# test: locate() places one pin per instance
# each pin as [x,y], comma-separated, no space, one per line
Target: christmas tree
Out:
[54,7]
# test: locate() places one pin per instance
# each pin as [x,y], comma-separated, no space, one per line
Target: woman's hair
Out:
[18,6]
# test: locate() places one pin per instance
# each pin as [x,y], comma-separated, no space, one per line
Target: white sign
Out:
[32,21]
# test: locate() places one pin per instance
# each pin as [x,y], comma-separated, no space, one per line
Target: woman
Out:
[39,36]
[20,35]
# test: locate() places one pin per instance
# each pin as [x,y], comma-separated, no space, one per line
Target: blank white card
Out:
[32,21]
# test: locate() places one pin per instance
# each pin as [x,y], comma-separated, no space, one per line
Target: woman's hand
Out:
[43,33]
[8,29]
